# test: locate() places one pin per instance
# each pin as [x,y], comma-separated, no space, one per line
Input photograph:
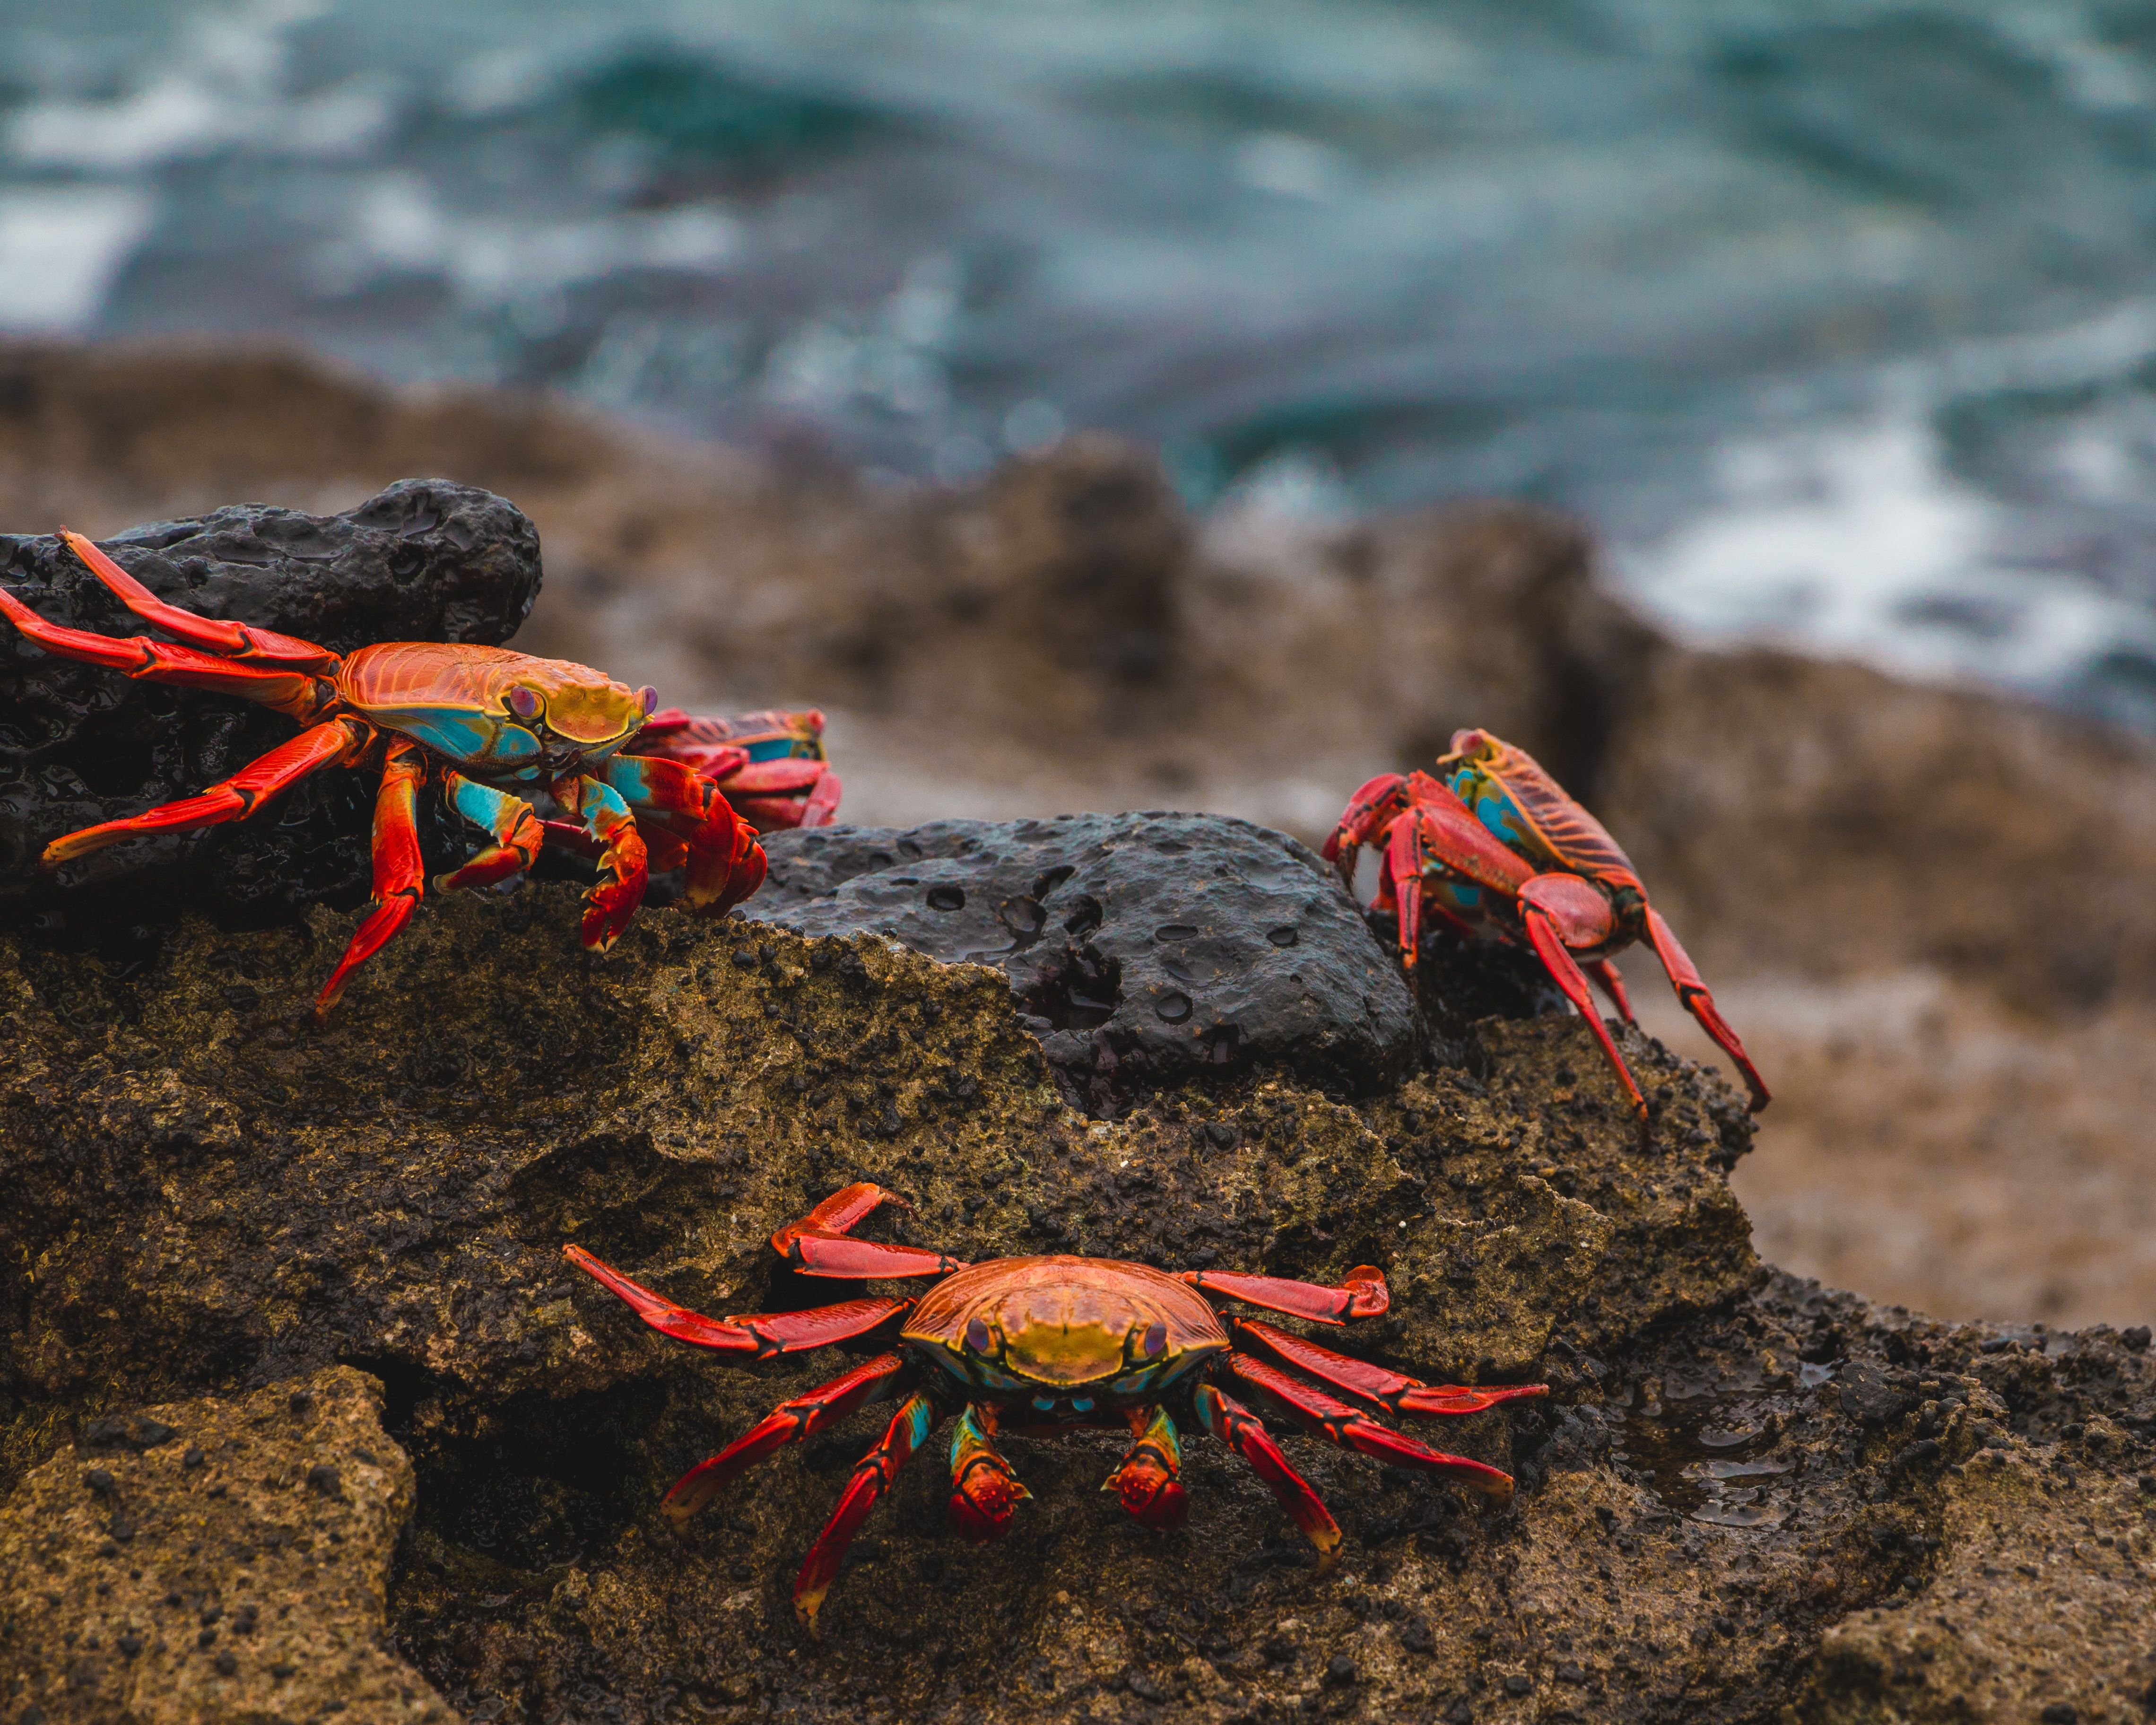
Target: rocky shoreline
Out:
[293,1302]
[303,1416]
[1927,901]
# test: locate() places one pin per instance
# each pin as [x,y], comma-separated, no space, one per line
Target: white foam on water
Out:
[1855,540]
[61,249]
[397,227]
[221,87]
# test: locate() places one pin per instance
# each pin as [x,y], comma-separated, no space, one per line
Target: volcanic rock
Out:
[213,1205]
[424,560]
[1143,947]
[204,1575]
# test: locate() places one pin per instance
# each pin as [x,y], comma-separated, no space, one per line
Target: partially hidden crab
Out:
[479,724]
[770,765]
[1038,1346]
[1493,841]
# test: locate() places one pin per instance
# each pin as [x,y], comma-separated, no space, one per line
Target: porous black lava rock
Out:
[1144,947]
[424,560]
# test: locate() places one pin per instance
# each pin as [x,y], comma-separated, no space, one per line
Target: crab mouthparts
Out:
[1061,1408]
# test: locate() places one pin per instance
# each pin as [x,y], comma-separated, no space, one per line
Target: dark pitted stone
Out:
[425,560]
[1145,947]
[1872,1395]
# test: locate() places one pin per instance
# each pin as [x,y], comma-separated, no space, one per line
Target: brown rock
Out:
[217,1591]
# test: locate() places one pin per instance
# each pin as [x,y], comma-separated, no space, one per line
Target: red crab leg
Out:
[399,872]
[1554,911]
[1387,1392]
[293,693]
[791,1422]
[817,1244]
[984,1490]
[1363,1295]
[1241,1430]
[1439,828]
[1148,1479]
[726,864]
[1691,993]
[758,1334]
[235,640]
[623,869]
[517,834]
[841,1213]
[338,743]
[822,808]
[1377,802]
[1603,971]
[813,1252]
[873,1473]
[1353,1429]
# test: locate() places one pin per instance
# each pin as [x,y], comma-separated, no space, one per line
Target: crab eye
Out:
[524,702]
[1156,1341]
[649,697]
[976,1335]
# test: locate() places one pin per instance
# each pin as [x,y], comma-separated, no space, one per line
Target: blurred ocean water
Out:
[1838,319]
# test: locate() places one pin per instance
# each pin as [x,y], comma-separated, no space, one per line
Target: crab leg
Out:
[984,1490]
[813,1252]
[338,743]
[1441,829]
[1148,1479]
[1364,1295]
[1549,908]
[726,864]
[295,694]
[841,1213]
[1353,1430]
[873,1473]
[758,1335]
[623,869]
[1372,807]
[1692,993]
[399,874]
[818,1243]
[235,640]
[1241,1430]
[1604,974]
[1387,1392]
[517,834]
[791,1422]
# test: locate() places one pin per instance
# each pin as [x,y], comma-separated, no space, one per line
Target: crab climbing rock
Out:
[1493,842]
[1041,1345]
[479,724]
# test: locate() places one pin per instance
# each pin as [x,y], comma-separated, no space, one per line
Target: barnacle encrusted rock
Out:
[212,1201]
[424,560]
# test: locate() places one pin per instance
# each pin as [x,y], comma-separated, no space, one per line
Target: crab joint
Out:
[1148,1481]
[984,1492]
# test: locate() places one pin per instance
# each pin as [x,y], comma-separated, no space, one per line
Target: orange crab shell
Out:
[1059,1324]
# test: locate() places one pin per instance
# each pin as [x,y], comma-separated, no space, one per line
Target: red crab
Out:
[480,724]
[771,765]
[1038,1346]
[1495,841]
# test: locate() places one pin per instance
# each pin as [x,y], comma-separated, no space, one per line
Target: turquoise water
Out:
[1840,320]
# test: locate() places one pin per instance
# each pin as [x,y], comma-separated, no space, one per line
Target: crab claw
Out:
[1367,813]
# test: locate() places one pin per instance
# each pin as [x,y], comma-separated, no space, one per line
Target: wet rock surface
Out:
[212,1560]
[1746,1495]
[423,560]
[1141,947]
